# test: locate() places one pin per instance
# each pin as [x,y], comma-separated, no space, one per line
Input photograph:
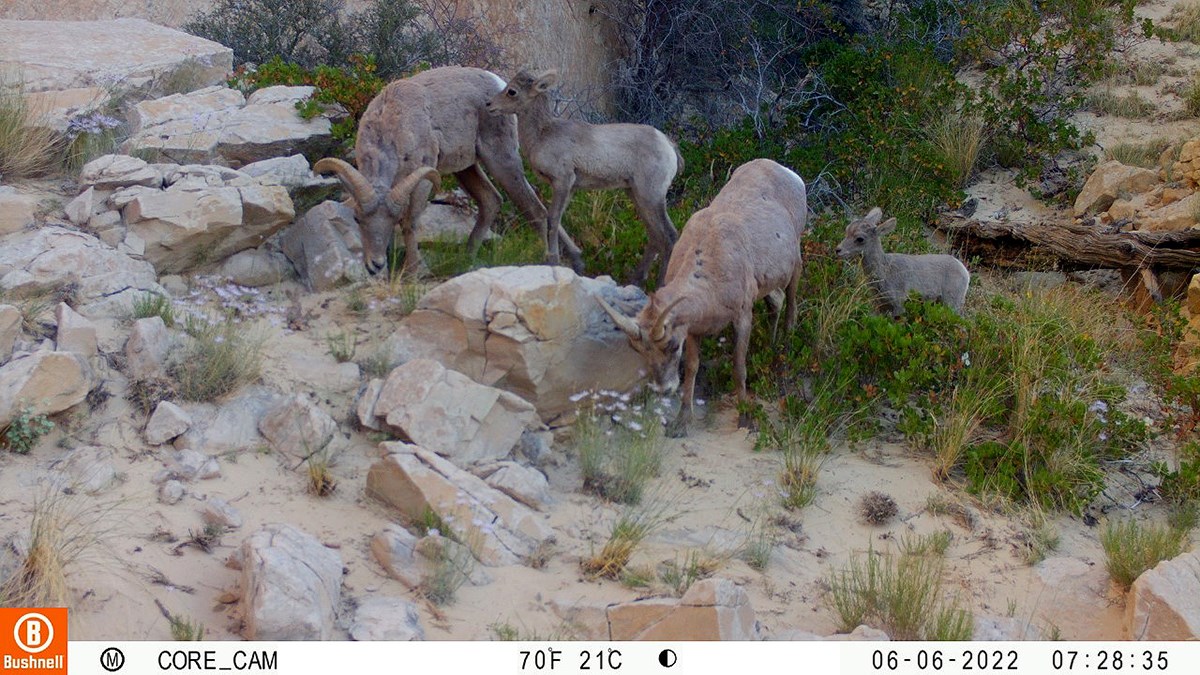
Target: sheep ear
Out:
[886,226]
[546,80]
[873,216]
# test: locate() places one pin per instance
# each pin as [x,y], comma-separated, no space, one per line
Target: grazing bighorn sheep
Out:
[742,247]
[417,128]
[934,276]
[571,155]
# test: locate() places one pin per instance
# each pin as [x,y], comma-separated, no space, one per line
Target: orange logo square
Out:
[33,641]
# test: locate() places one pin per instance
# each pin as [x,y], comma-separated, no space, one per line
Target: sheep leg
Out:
[790,293]
[562,187]
[651,216]
[741,344]
[418,200]
[691,363]
[485,195]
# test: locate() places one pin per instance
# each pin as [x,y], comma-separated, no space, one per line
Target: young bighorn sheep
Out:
[434,123]
[893,276]
[742,247]
[573,155]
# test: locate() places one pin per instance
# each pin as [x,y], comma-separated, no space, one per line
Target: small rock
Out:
[386,618]
[43,382]
[87,469]
[75,333]
[147,349]
[113,172]
[10,329]
[394,550]
[257,267]
[526,485]
[170,492]
[297,427]
[445,411]
[191,465]
[167,422]
[217,511]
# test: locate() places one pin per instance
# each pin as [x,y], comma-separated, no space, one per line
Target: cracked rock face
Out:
[105,281]
[291,585]
[536,331]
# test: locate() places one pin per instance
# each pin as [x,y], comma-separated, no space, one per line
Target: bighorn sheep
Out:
[571,155]
[742,247]
[894,275]
[417,128]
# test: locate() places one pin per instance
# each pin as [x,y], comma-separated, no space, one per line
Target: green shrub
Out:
[23,432]
[220,359]
[154,304]
[1131,548]
[899,594]
[1183,484]
[305,32]
[27,149]
[619,440]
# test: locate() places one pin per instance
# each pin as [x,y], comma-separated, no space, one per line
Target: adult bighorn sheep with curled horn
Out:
[737,250]
[423,126]
[573,155]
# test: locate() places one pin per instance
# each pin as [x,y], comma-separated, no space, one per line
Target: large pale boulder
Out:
[324,246]
[711,609]
[220,125]
[269,126]
[16,210]
[182,228]
[451,414]
[105,281]
[1109,181]
[1164,603]
[1174,217]
[416,481]
[536,331]
[182,128]
[45,382]
[291,585]
[132,54]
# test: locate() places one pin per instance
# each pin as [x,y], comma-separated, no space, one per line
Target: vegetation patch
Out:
[1131,548]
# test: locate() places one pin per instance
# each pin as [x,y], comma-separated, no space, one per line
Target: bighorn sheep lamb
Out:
[742,247]
[571,155]
[894,275]
[417,128]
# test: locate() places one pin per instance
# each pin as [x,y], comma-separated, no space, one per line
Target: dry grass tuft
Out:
[26,150]
[877,508]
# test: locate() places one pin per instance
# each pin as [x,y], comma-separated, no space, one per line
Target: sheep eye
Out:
[859,240]
[512,92]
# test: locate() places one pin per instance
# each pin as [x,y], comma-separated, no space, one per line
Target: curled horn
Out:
[660,326]
[358,185]
[401,193]
[625,323]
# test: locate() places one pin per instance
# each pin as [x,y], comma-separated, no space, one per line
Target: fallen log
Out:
[1077,245]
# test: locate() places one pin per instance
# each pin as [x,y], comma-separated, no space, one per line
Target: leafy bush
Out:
[23,432]
[304,32]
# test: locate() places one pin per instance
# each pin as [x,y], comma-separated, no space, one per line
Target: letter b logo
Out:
[33,633]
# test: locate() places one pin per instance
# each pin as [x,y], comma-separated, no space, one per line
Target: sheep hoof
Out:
[746,421]
[677,428]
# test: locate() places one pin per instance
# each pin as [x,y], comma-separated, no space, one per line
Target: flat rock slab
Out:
[131,54]
[1164,603]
